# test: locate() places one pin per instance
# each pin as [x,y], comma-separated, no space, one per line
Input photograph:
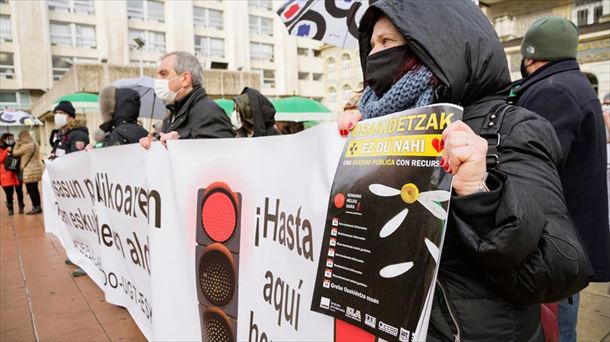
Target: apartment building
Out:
[41,40]
[511,19]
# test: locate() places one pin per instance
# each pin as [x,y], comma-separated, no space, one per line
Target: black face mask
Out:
[383,67]
[523,68]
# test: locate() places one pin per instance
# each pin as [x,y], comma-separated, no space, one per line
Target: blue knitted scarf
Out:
[414,89]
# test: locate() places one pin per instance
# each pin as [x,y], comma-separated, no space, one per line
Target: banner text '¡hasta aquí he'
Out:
[407,123]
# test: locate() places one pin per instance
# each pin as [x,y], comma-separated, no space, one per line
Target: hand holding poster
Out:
[385,224]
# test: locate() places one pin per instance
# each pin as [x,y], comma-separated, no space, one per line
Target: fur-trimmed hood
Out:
[77,124]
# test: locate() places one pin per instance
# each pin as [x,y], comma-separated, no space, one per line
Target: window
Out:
[7,66]
[209,47]
[61,33]
[332,95]
[269,78]
[207,18]
[330,65]
[598,11]
[70,34]
[85,36]
[588,12]
[346,62]
[8,100]
[317,77]
[317,53]
[3,1]
[261,26]
[61,64]
[302,52]
[154,41]
[582,17]
[5,28]
[15,100]
[261,4]
[346,93]
[74,6]
[303,76]
[261,52]
[146,64]
[145,10]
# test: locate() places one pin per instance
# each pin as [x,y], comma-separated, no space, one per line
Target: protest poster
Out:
[385,224]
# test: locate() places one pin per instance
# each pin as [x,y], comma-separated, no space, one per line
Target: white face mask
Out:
[236,120]
[60,120]
[163,92]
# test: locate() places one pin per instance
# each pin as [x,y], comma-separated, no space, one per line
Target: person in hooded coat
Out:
[120,108]
[255,114]
[509,243]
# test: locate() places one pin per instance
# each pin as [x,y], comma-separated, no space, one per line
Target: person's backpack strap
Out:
[490,131]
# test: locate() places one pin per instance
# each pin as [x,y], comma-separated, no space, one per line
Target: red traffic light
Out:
[219,212]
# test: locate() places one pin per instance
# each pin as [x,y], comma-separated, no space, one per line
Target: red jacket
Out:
[7,178]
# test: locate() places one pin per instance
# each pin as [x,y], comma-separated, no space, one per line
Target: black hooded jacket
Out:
[120,108]
[196,116]
[258,111]
[496,263]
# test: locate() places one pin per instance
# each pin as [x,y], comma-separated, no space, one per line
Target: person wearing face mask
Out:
[254,114]
[8,179]
[120,108]
[73,134]
[31,167]
[509,244]
[193,115]
[554,87]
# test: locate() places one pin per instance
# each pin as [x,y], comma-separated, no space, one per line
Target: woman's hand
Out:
[348,120]
[464,157]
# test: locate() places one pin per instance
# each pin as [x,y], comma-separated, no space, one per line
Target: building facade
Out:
[41,40]
[342,76]
[511,19]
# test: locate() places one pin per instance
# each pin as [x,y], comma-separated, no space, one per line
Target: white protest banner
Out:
[108,208]
[213,239]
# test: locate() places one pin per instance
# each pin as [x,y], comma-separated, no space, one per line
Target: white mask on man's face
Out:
[60,120]
[236,120]
[163,92]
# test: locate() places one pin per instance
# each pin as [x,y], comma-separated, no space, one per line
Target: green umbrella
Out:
[225,104]
[80,100]
[296,108]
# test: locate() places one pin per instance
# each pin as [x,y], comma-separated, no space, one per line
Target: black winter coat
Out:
[196,116]
[561,93]
[122,127]
[496,263]
[73,139]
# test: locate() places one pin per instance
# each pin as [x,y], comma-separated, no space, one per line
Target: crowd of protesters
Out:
[528,230]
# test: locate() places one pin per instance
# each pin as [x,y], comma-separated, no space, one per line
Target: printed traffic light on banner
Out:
[217,263]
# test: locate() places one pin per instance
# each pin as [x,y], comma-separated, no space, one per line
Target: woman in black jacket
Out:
[509,243]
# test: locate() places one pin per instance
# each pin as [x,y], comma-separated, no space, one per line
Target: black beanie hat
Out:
[66,107]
